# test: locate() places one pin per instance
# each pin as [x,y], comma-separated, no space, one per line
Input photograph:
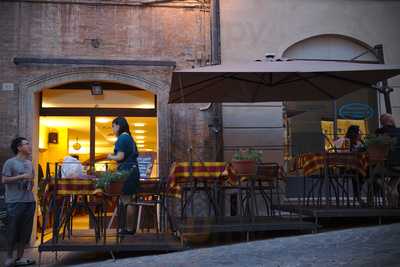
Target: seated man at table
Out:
[388,124]
[393,162]
[389,128]
[71,167]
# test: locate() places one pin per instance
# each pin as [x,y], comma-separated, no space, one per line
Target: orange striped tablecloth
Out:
[184,172]
[314,163]
[74,186]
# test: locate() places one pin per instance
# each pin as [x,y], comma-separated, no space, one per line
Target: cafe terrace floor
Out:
[84,240]
[296,219]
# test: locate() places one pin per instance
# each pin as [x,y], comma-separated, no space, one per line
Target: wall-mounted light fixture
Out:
[97,89]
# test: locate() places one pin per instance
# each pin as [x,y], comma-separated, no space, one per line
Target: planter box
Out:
[114,188]
[244,167]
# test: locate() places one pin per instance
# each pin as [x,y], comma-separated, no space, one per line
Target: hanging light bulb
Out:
[76,145]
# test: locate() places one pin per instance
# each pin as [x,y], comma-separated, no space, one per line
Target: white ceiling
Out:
[79,127]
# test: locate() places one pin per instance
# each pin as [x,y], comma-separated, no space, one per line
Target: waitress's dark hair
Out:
[353,131]
[123,125]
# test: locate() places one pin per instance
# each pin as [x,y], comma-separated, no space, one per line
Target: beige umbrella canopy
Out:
[262,81]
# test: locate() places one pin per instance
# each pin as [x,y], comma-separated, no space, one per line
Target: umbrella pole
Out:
[191,179]
[335,126]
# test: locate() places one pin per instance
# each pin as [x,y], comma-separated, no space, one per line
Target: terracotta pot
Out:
[115,188]
[378,152]
[244,167]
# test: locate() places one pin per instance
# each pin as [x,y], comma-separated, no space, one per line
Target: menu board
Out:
[145,162]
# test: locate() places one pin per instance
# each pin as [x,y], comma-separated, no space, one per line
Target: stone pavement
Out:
[370,246]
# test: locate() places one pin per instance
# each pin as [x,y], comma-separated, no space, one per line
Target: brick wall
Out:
[171,31]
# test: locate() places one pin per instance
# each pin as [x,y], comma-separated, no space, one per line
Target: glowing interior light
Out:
[140,141]
[140,131]
[139,124]
[103,120]
[139,137]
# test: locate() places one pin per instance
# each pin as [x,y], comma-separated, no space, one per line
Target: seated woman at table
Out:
[351,142]
[126,154]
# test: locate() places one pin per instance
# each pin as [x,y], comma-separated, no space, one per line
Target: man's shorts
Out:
[19,222]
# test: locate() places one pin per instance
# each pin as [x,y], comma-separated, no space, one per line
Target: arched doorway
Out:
[157,85]
[312,127]
[154,84]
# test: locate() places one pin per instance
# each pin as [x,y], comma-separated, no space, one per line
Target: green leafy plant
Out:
[248,154]
[379,140]
[108,177]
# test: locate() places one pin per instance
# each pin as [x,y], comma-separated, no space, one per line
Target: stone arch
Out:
[154,82]
[331,40]
[91,73]
[307,126]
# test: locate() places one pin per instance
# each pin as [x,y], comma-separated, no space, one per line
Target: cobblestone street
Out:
[370,246]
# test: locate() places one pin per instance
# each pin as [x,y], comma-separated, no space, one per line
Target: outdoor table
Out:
[270,173]
[326,168]
[186,176]
[312,163]
[72,188]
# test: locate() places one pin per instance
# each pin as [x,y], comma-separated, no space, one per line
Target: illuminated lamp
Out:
[96,89]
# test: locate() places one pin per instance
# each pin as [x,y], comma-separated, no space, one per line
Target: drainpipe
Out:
[385,90]
[215,60]
[215,33]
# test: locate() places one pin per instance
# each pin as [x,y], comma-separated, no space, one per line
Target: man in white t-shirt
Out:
[71,168]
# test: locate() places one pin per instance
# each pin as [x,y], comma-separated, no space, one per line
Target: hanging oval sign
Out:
[356,111]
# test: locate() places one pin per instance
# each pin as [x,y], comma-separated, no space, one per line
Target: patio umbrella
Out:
[263,81]
[275,81]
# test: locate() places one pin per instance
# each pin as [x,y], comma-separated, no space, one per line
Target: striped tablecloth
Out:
[314,163]
[184,172]
[74,186]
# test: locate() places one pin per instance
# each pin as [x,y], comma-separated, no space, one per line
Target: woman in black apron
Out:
[126,154]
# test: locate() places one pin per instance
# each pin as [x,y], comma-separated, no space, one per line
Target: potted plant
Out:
[112,182]
[245,160]
[378,146]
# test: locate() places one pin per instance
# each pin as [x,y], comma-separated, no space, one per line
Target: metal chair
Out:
[339,171]
[151,195]
[267,183]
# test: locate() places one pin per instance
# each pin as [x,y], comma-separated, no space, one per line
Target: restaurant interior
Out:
[76,121]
